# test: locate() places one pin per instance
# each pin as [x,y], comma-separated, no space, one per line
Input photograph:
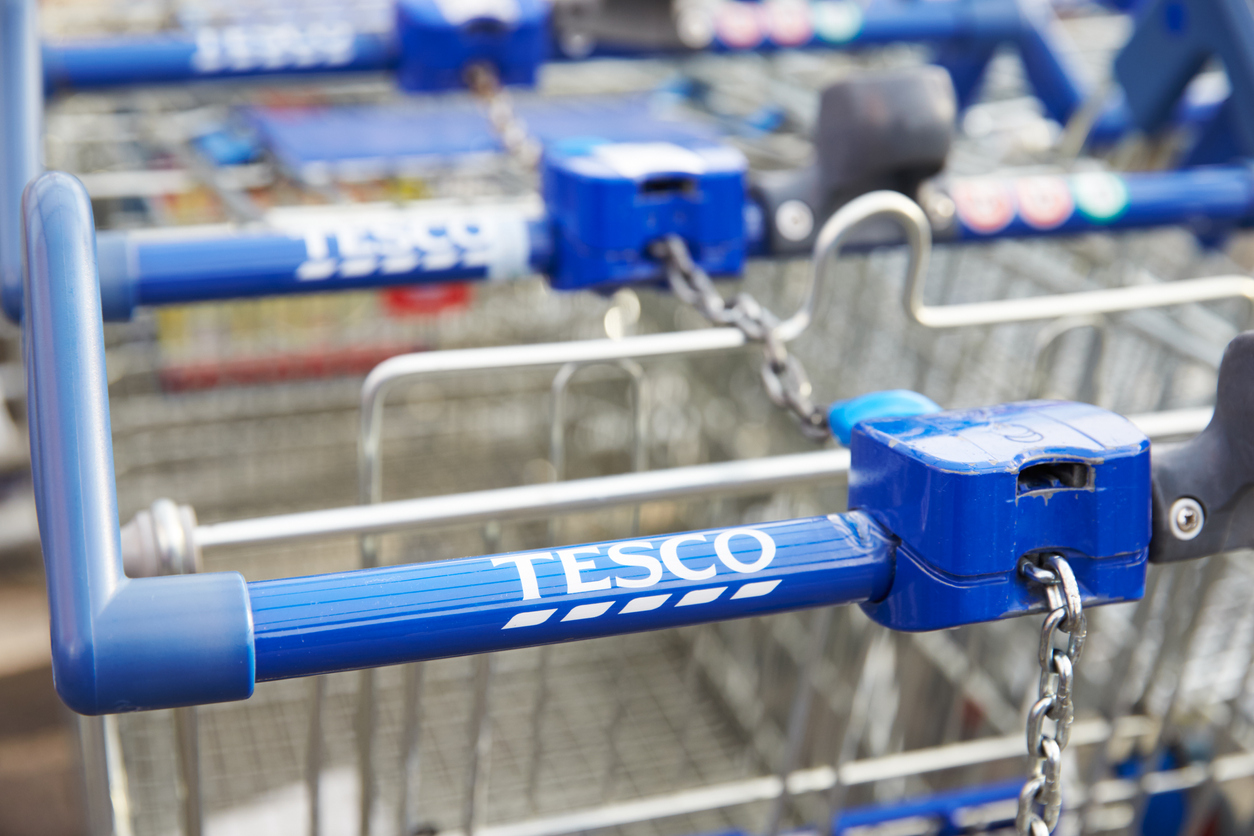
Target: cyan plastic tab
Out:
[891,403]
[117,644]
[970,492]
[610,201]
[441,39]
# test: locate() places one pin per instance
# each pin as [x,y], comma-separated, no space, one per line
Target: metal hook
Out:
[881,204]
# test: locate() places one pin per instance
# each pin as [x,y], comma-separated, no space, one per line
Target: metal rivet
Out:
[1186,518]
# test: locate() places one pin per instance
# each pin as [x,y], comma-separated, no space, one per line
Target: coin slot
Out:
[667,186]
[1054,476]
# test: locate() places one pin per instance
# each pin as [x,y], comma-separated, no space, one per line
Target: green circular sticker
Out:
[1099,196]
[837,21]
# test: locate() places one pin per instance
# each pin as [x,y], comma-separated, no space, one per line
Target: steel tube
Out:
[534,500]
[386,616]
[1084,303]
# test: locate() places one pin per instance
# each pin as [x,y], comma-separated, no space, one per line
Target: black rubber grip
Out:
[1214,470]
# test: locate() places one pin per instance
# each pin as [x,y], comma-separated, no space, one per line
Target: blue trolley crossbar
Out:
[439,243]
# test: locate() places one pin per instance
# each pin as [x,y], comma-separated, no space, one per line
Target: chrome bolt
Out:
[1186,518]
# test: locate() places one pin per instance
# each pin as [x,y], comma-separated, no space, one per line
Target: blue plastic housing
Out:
[969,492]
[610,201]
[440,39]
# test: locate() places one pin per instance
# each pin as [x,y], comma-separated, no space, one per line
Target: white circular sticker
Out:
[1044,202]
[739,25]
[1099,196]
[789,22]
[836,21]
[984,205]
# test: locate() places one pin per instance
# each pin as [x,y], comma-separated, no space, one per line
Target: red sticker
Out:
[984,205]
[739,25]
[789,22]
[1044,202]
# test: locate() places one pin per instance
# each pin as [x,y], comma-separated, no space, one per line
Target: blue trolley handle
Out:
[125,644]
[121,644]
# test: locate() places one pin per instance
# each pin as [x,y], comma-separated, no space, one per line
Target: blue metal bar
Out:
[183,266]
[233,52]
[1212,200]
[350,620]
[21,117]
[117,644]
[164,268]
[258,50]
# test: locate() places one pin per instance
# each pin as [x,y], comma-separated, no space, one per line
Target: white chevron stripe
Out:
[701,596]
[644,604]
[583,611]
[756,589]
[528,619]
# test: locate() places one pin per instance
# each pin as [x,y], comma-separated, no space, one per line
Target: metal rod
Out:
[799,715]
[1083,303]
[314,753]
[187,735]
[413,366]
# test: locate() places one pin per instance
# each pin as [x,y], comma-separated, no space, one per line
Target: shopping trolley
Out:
[944,378]
[1064,477]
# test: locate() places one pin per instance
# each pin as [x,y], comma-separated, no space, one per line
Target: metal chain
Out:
[1043,790]
[485,83]
[787,384]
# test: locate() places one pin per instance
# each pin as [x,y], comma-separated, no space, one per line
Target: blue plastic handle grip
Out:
[229,53]
[378,617]
[137,268]
[117,644]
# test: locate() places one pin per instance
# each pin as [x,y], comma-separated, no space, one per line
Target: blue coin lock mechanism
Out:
[610,201]
[970,493]
[441,39]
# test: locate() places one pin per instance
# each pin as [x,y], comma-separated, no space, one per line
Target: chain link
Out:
[1040,801]
[787,384]
[485,83]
